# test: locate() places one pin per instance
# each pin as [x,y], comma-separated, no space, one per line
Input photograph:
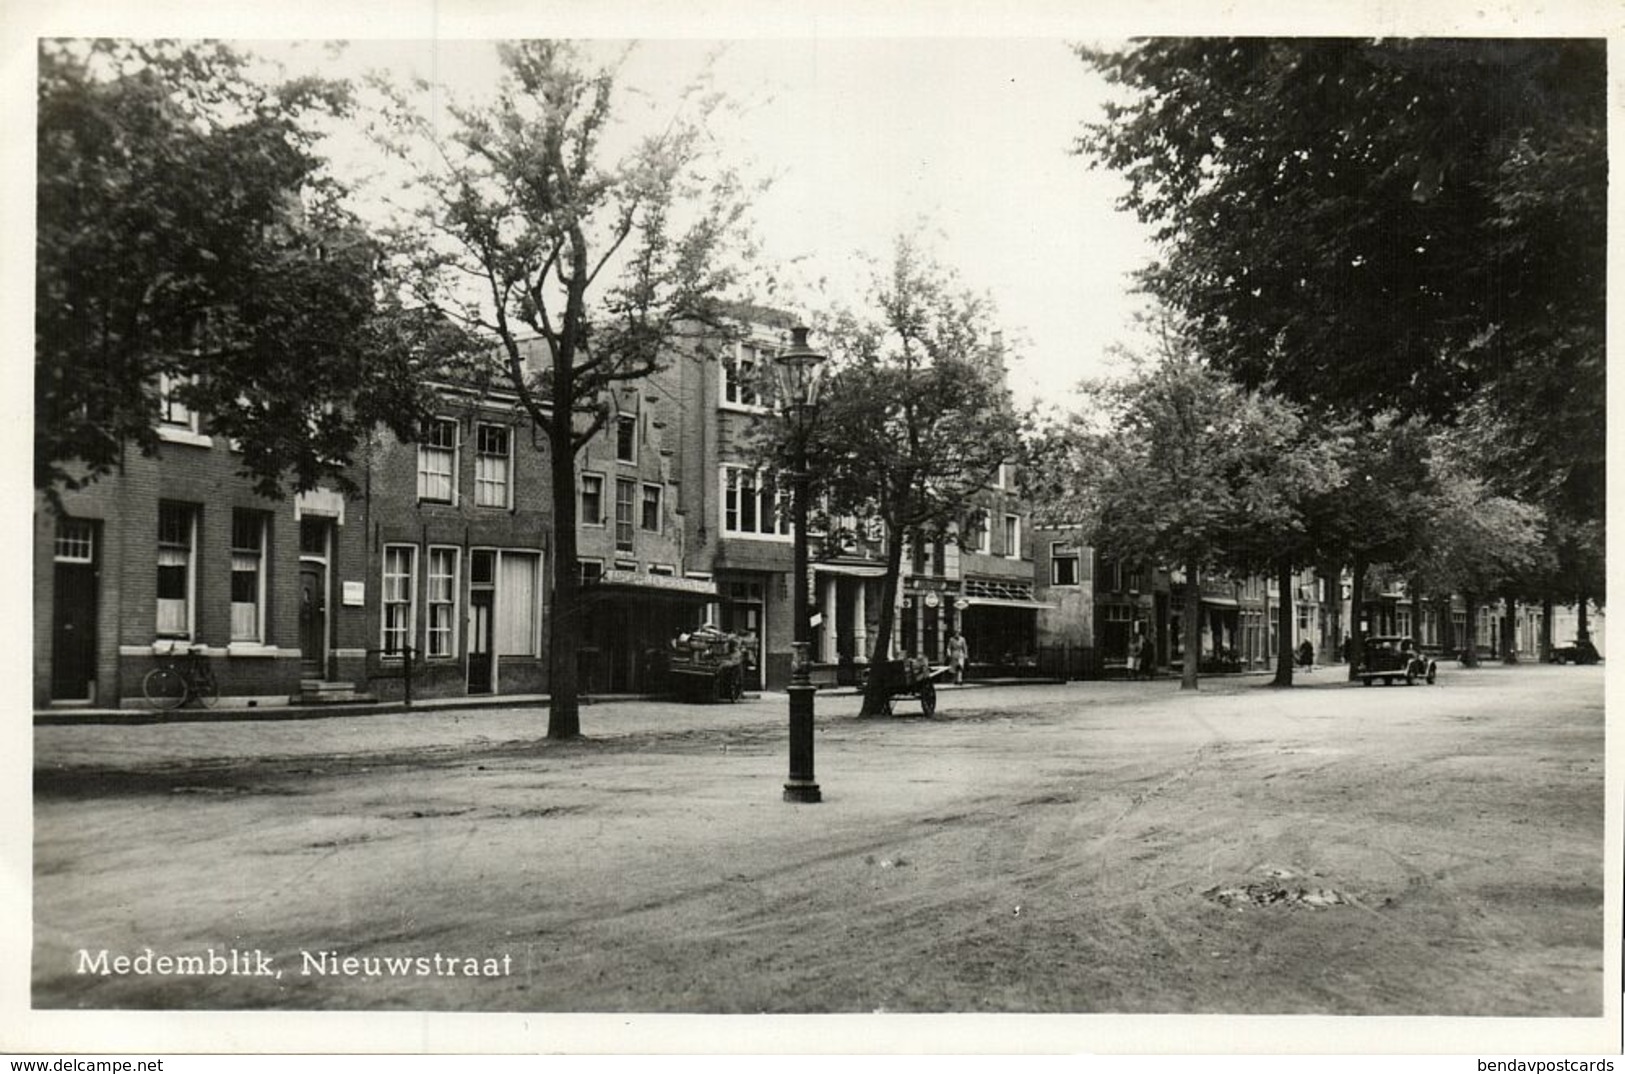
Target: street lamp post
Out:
[798,371]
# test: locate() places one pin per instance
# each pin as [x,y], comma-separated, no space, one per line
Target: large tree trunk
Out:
[1469,644]
[1283,620]
[564,642]
[1509,636]
[1356,646]
[1546,610]
[1583,629]
[1192,625]
[874,693]
[1331,576]
[1448,642]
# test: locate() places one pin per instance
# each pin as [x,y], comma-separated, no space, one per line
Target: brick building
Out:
[171,552]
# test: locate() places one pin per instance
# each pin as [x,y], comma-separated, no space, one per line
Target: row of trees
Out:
[1385,261]
[190,230]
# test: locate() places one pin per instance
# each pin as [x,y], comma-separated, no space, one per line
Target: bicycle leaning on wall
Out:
[175,682]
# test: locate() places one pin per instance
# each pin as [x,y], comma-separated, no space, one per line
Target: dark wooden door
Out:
[73,634]
[479,641]
[313,620]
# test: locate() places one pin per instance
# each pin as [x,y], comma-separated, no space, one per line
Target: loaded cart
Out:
[708,664]
[914,677]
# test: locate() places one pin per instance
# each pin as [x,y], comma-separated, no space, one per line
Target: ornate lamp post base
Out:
[801,786]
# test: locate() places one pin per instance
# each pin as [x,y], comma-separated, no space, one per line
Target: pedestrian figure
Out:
[1306,654]
[1133,657]
[958,656]
[1148,656]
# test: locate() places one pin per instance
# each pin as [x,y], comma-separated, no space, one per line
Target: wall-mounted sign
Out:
[355,594]
[932,599]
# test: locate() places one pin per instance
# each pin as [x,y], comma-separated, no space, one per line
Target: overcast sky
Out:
[967,139]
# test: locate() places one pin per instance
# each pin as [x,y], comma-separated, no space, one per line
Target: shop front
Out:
[631,619]
[999,620]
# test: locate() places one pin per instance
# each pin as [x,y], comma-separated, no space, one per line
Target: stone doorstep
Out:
[319,692]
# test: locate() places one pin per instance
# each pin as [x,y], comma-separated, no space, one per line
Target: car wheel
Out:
[1365,682]
[1433,673]
[1410,678]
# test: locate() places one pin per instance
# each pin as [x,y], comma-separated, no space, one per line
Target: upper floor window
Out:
[248,575]
[177,568]
[753,505]
[592,500]
[746,377]
[1063,565]
[1012,536]
[626,438]
[976,534]
[437,461]
[651,508]
[493,466]
[625,490]
[171,410]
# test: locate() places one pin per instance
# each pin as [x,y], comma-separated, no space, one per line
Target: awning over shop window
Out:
[1001,602]
[859,570]
[1221,602]
[655,586]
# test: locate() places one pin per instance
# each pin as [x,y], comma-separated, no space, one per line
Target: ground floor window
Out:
[177,568]
[248,582]
[440,597]
[400,567]
[518,604]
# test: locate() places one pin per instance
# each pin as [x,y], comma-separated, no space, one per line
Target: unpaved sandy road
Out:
[1087,848]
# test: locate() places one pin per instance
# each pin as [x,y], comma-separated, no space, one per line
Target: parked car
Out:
[1390,657]
[1578,651]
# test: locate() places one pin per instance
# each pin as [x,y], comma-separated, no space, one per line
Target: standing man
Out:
[958,655]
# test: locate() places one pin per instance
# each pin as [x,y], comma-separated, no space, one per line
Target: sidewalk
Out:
[69,717]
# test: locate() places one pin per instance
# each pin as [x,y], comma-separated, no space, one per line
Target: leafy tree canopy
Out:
[186,228]
[1412,225]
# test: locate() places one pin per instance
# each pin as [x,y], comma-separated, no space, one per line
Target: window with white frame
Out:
[745,377]
[437,461]
[493,466]
[977,536]
[626,438]
[177,568]
[591,570]
[75,541]
[1063,564]
[592,500]
[172,412]
[400,597]
[248,529]
[1012,536]
[654,496]
[625,493]
[752,505]
[440,601]
[517,604]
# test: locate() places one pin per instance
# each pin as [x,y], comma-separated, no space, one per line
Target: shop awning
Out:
[1221,602]
[656,586]
[1001,602]
[859,570]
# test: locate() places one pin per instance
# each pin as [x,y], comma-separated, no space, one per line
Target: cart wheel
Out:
[928,698]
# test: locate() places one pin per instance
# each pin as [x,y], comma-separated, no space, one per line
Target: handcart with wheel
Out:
[708,664]
[909,678]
